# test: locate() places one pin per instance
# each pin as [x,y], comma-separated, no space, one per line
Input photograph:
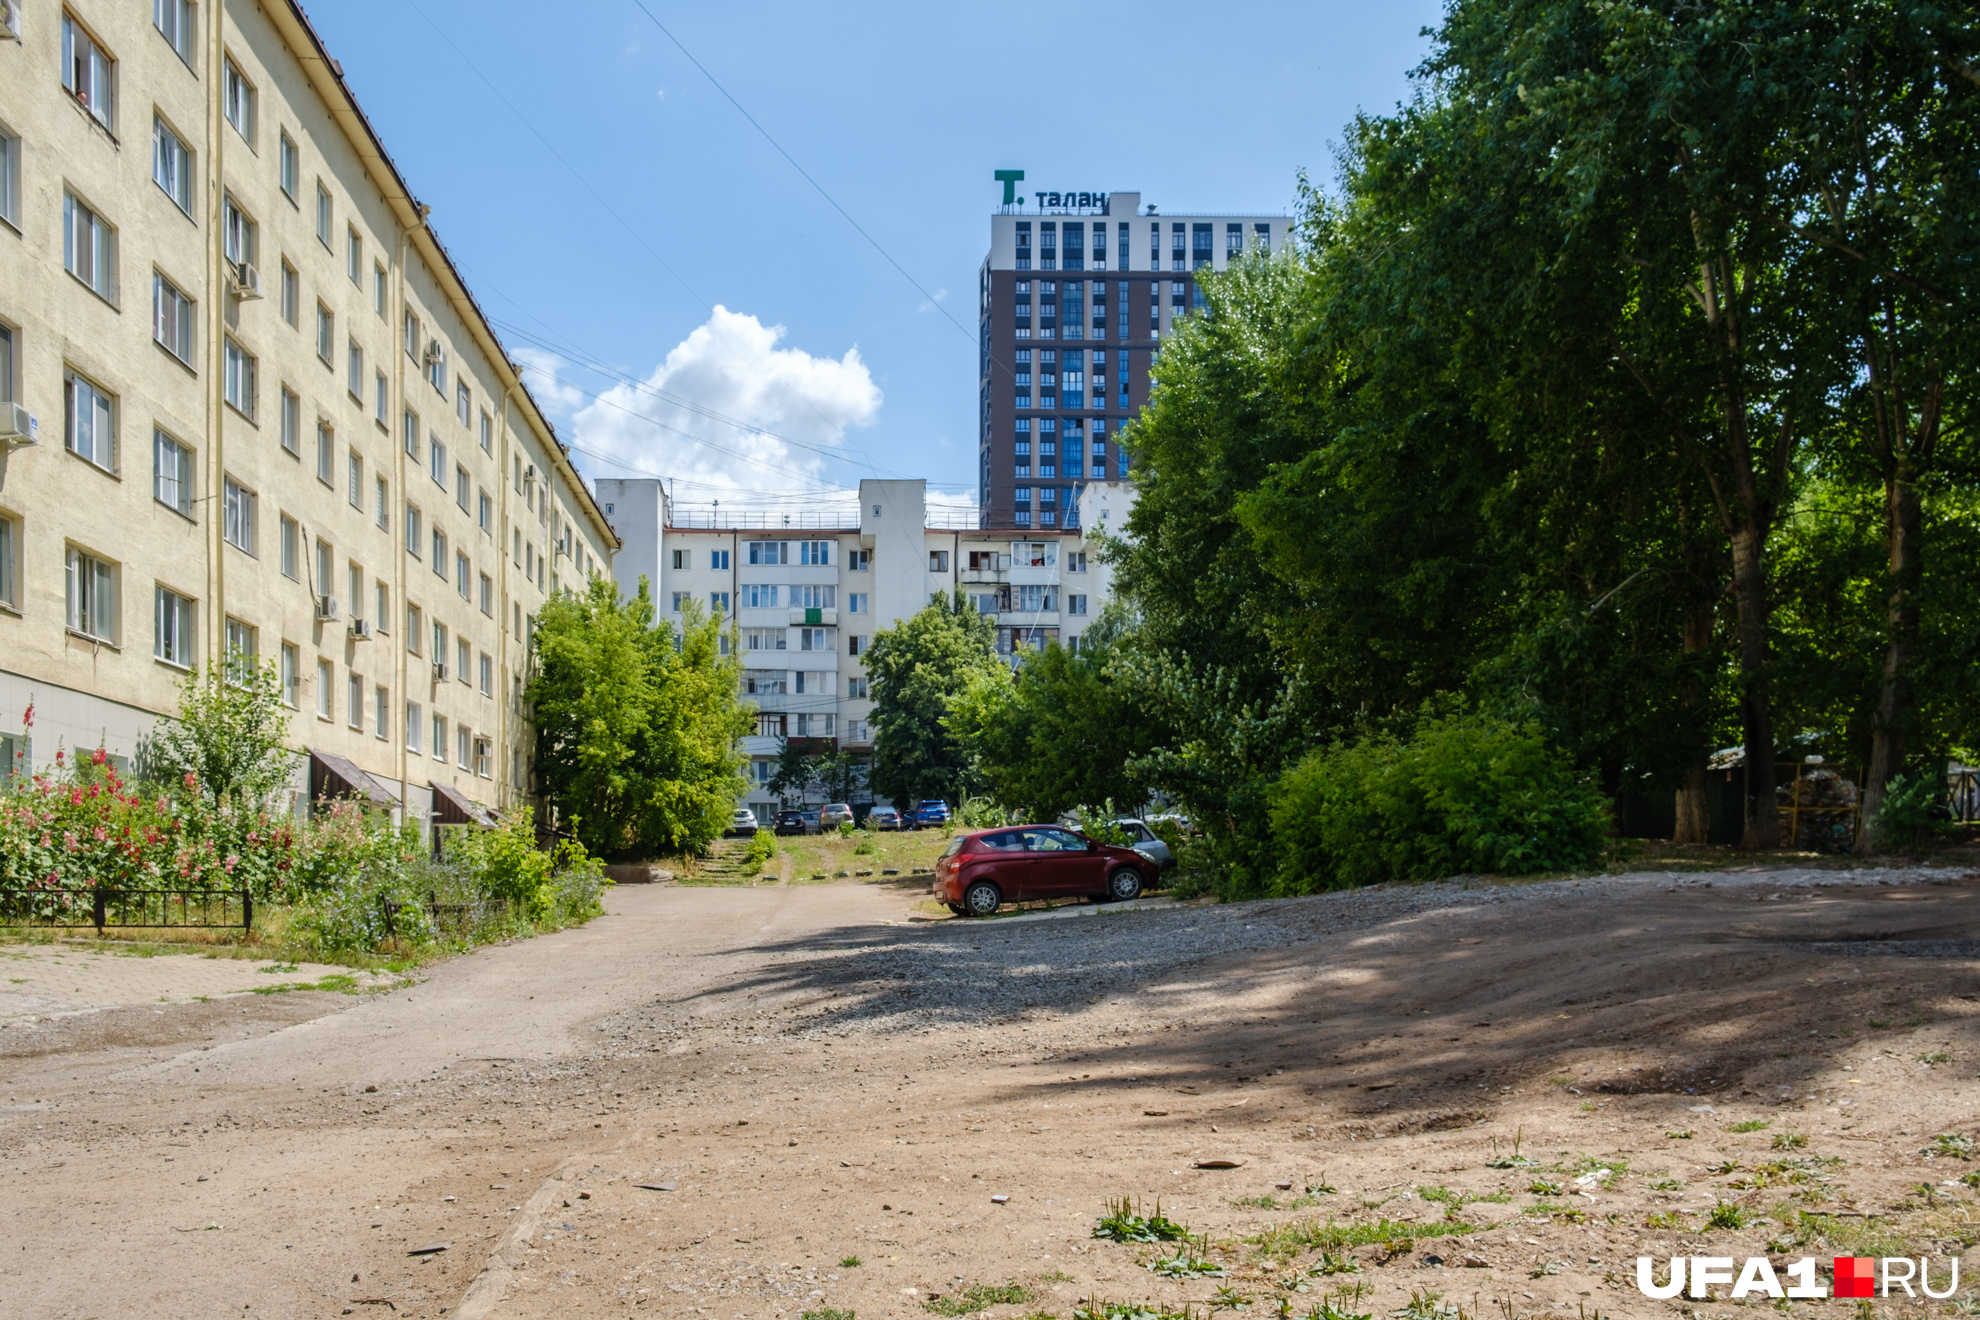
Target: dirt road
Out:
[710,1101]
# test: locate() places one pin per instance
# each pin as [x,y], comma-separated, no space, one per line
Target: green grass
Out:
[1541,1187]
[1665,1219]
[1726,1214]
[848,1262]
[1789,1141]
[1752,1125]
[1958,1145]
[1098,1309]
[1936,1056]
[828,1313]
[1333,1236]
[980,1297]
[1567,1214]
[336,982]
[1124,1222]
[1679,1134]
[1184,1266]
[1447,1197]
[1273,1203]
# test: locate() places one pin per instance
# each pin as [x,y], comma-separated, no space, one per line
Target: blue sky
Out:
[604,198]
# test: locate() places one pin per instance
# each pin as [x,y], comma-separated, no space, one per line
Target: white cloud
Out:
[728,414]
[539,372]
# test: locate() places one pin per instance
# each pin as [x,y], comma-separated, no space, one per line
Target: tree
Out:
[638,726]
[1059,733]
[920,667]
[230,735]
[797,770]
[840,774]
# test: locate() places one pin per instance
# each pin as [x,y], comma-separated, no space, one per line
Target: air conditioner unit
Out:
[327,609]
[439,671]
[18,427]
[434,353]
[244,280]
[361,629]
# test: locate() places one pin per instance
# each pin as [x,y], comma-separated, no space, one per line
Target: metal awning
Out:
[453,807]
[333,776]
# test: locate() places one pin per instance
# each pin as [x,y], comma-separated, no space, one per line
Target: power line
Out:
[933,301]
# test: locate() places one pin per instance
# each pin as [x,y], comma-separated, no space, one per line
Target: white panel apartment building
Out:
[248,403]
[807,601]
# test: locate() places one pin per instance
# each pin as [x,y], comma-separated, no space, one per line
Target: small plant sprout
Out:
[1957,1145]
[1512,1161]
[848,1262]
[1789,1141]
[1726,1214]
[1679,1134]
[1752,1125]
[1124,1222]
[1935,1057]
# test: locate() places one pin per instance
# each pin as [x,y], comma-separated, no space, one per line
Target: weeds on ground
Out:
[827,1313]
[1330,1264]
[849,1262]
[1679,1134]
[1425,1304]
[1752,1125]
[1511,1161]
[1541,1187]
[980,1297]
[1726,1214]
[1667,1185]
[1185,1264]
[1789,1141]
[1868,1236]
[1958,1145]
[1567,1214]
[1453,1199]
[1665,1219]
[1124,1222]
[1284,1240]
[1935,1057]
[1105,1310]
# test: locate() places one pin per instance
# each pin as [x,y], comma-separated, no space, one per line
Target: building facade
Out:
[249,405]
[1073,301]
[806,601]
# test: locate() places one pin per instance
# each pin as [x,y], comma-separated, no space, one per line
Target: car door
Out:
[1012,865]
[1063,864]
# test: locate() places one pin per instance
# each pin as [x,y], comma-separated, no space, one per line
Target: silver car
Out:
[743,822]
[1145,841]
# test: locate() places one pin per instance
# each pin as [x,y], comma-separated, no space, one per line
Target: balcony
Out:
[973,577]
[814,618]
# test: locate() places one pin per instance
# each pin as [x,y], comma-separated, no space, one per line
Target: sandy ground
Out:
[1494,1097]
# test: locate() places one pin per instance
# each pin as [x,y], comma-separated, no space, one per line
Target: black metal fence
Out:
[458,919]
[73,907]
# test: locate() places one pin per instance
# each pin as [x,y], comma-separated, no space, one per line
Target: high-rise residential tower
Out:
[1074,299]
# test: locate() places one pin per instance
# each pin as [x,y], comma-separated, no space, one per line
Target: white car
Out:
[743,822]
[1146,842]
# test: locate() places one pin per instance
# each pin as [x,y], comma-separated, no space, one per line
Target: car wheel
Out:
[981,899]
[1123,885]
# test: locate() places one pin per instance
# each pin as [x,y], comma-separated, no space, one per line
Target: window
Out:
[412,530]
[440,644]
[484,513]
[323,215]
[89,248]
[356,596]
[10,558]
[172,319]
[487,434]
[291,548]
[409,426]
[172,628]
[815,639]
[412,629]
[680,596]
[381,712]
[90,422]
[291,422]
[174,20]
[436,460]
[463,402]
[1075,561]
[10,177]
[436,367]
[856,689]
[718,601]
[240,236]
[718,560]
[382,505]
[814,598]
[938,561]
[378,288]
[463,660]
[92,594]
[239,385]
[238,513]
[326,452]
[463,576]
[354,255]
[237,102]
[89,73]
[461,487]
[291,674]
[326,675]
[440,737]
[380,398]
[326,332]
[859,561]
[412,336]
[765,639]
[758,595]
[1075,604]
[171,473]
[814,552]
[461,739]
[291,294]
[440,554]
[855,645]
[415,718]
[290,167]
[354,470]
[354,371]
[856,602]
[171,164]
[769,552]
[354,702]
[487,595]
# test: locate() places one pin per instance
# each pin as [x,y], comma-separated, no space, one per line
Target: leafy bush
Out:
[762,847]
[1466,793]
[1914,809]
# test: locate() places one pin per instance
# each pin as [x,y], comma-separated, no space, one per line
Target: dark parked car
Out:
[980,872]
[790,822]
[884,817]
[932,812]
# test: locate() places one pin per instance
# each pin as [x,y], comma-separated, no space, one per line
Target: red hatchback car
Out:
[980,872]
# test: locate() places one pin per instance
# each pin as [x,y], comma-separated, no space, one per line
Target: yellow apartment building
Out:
[247,403]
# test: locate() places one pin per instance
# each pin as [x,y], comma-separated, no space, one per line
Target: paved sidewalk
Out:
[44,981]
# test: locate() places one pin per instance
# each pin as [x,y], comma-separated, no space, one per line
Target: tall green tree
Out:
[638,725]
[920,667]
[1061,732]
